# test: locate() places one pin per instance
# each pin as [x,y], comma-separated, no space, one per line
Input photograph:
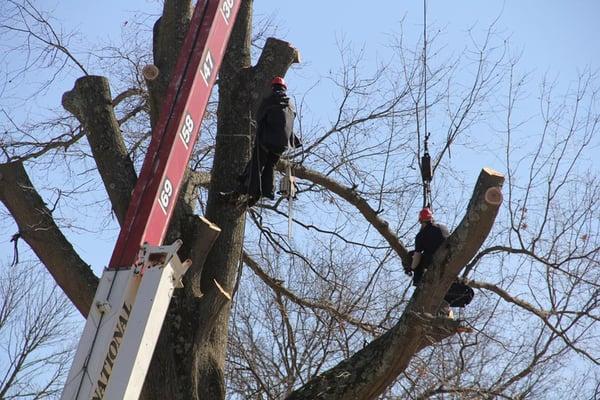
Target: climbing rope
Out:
[287,187]
[426,171]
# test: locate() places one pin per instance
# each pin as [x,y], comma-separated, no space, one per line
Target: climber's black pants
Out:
[258,177]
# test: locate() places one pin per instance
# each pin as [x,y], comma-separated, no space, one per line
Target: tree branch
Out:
[371,370]
[507,297]
[542,314]
[37,227]
[353,198]
[134,91]
[90,102]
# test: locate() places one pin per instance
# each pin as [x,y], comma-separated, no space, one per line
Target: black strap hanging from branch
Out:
[15,238]
[426,172]
[426,175]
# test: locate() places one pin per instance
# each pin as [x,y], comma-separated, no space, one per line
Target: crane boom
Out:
[133,295]
[174,136]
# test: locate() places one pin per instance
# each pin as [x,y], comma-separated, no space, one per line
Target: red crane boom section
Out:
[177,130]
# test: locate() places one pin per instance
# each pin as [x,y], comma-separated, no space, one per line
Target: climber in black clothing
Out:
[430,237]
[428,240]
[274,135]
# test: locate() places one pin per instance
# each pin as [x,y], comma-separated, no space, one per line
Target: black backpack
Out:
[459,295]
[276,129]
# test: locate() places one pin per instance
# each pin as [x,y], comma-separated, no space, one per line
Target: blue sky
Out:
[555,37]
[553,34]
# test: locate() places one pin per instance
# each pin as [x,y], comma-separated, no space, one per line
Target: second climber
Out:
[274,135]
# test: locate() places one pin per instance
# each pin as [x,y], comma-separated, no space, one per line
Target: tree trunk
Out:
[189,360]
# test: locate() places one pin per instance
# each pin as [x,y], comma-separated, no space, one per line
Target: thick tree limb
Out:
[90,102]
[371,370]
[437,328]
[134,91]
[38,229]
[275,60]
[200,179]
[353,198]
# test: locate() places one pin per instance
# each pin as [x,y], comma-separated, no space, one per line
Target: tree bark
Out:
[169,32]
[38,229]
[90,102]
[232,143]
[371,370]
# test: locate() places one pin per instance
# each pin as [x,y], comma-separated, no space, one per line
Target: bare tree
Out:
[327,313]
[35,329]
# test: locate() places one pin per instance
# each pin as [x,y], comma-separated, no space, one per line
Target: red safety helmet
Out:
[425,215]
[278,81]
